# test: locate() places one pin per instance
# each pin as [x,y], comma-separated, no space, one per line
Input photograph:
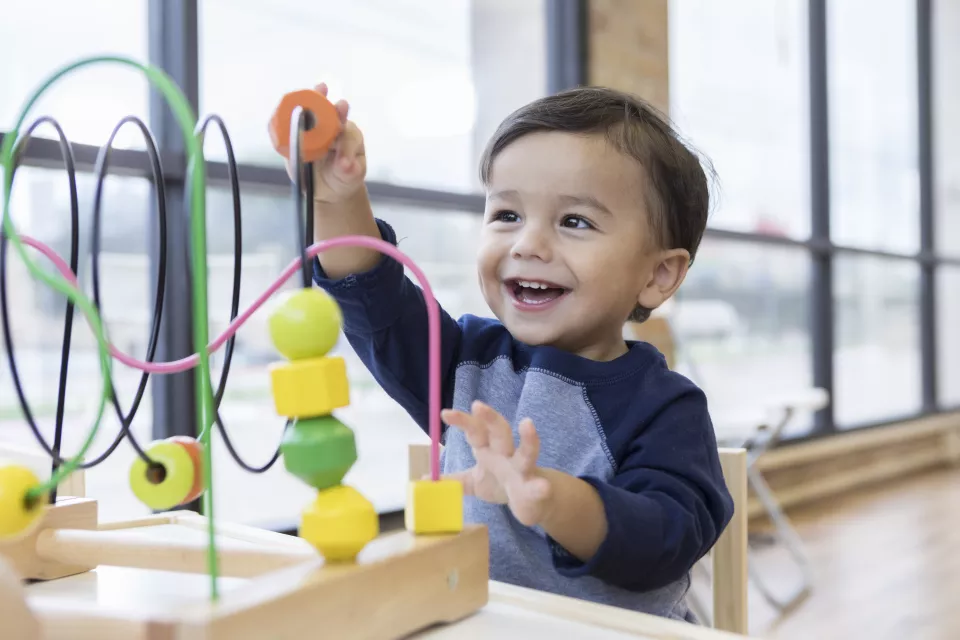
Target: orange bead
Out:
[316,141]
[195,448]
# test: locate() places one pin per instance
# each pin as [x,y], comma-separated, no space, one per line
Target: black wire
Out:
[100,170]
[301,120]
[235,294]
[66,153]
[201,131]
[101,166]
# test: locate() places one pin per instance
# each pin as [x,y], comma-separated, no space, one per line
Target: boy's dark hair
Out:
[679,199]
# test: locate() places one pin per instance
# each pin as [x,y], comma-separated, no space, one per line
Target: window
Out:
[89,102]
[442,243]
[738,92]
[874,180]
[741,326]
[946,126]
[877,343]
[425,80]
[40,204]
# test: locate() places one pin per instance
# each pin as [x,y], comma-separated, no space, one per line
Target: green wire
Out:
[196,169]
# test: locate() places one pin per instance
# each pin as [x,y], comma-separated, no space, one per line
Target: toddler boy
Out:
[593,465]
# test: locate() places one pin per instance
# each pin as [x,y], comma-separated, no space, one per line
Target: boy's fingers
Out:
[529,449]
[343,108]
[322,88]
[349,146]
[501,435]
[473,429]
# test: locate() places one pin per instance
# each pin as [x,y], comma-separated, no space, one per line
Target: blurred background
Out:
[830,270]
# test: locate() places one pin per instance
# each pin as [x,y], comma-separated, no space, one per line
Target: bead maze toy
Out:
[341,574]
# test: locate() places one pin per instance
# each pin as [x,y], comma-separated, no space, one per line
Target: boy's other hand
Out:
[504,473]
[342,171]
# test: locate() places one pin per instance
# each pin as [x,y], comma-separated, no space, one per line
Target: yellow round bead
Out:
[304,323]
[339,523]
[166,483]
[17,514]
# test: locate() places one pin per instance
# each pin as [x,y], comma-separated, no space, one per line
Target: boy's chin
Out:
[533,336]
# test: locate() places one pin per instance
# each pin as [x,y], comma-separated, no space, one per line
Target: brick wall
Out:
[628,47]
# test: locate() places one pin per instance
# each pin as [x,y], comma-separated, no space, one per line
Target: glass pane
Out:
[946,125]
[41,209]
[738,91]
[874,191]
[877,356]
[741,326]
[443,245]
[948,338]
[90,101]
[428,81]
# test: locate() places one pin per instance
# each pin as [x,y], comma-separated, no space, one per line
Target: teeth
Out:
[532,285]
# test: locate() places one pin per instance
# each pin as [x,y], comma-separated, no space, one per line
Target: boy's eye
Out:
[576,222]
[504,216]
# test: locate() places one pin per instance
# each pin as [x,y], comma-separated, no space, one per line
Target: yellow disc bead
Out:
[17,514]
[166,483]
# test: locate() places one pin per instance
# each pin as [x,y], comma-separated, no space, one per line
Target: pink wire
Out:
[176,366]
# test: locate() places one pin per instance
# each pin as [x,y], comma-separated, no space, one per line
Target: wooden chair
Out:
[756,427]
[729,554]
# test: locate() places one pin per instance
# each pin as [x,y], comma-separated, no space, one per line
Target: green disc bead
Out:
[304,323]
[319,451]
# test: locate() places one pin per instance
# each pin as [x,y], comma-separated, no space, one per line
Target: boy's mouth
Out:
[534,293]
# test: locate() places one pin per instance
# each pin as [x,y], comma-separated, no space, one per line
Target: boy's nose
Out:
[532,243]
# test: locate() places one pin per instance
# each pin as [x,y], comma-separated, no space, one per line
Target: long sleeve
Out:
[385,321]
[667,503]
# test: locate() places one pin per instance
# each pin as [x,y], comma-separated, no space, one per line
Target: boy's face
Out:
[566,250]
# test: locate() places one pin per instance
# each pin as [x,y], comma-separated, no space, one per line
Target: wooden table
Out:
[511,612]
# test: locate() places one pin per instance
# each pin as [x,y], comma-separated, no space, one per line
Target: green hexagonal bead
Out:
[319,451]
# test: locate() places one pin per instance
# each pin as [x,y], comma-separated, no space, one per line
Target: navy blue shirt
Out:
[638,432]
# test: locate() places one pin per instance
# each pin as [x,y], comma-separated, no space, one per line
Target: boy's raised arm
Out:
[384,313]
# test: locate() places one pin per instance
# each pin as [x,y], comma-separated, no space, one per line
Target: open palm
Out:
[504,473]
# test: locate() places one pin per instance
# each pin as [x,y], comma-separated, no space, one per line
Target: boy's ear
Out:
[667,276]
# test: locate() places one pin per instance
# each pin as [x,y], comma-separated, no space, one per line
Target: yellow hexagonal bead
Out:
[310,388]
[339,523]
[17,515]
[434,507]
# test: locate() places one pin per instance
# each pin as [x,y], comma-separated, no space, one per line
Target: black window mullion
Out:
[821,283]
[173,47]
[928,290]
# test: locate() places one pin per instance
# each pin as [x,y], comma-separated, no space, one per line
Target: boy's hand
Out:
[341,173]
[504,474]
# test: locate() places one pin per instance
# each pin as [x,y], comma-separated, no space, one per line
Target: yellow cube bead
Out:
[310,388]
[339,523]
[434,506]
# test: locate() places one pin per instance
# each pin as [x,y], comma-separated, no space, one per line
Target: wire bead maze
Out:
[304,324]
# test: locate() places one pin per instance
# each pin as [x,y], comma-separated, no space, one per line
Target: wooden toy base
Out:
[400,583]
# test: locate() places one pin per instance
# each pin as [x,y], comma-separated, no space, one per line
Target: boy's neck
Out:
[598,350]
[604,352]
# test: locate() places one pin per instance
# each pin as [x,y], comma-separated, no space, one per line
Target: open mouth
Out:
[534,293]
